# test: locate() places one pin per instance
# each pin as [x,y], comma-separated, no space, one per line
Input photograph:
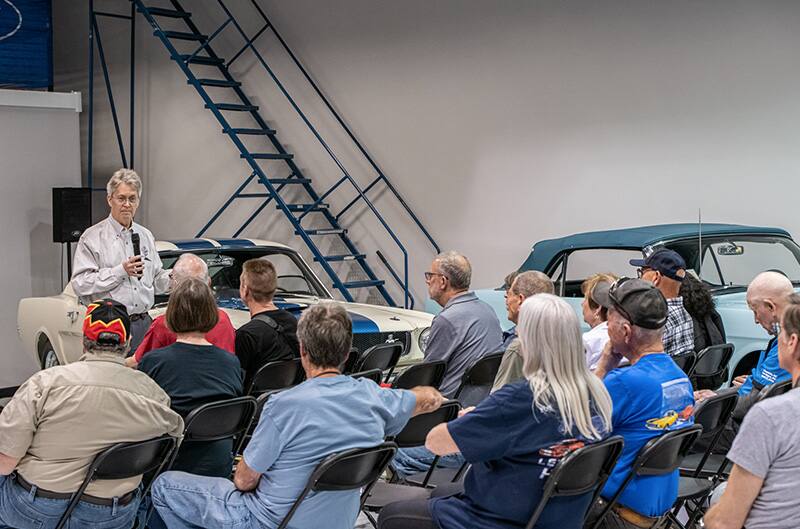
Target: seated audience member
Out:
[158,335]
[767,296]
[651,396]
[62,417]
[707,323]
[271,333]
[666,270]
[299,427]
[760,492]
[524,286]
[510,438]
[194,372]
[596,316]
[511,334]
[467,328]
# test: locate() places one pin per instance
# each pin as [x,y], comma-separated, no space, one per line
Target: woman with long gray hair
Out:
[516,436]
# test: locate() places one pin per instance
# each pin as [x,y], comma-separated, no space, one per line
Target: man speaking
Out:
[116,258]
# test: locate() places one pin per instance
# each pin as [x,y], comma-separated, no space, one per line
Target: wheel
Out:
[47,356]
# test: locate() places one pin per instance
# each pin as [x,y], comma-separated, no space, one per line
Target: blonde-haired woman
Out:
[513,438]
[596,316]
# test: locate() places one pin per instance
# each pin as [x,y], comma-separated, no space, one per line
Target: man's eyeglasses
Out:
[642,271]
[126,200]
[430,275]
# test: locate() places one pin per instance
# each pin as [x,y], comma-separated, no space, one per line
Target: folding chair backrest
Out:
[478,380]
[220,420]
[261,401]
[123,461]
[354,469]
[713,360]
[773,390]
[422,374]
[686,361]
[417,428]
[351,361]
[583,470]
[713,413]
[375,375]
[382,356]
[277,375]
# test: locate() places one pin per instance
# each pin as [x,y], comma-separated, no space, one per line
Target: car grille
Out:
[366,340]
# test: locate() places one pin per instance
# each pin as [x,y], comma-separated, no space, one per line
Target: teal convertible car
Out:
[725,256]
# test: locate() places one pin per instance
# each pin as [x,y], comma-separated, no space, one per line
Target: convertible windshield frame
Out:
[257,252]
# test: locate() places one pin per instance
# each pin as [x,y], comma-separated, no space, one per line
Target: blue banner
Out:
[26,44]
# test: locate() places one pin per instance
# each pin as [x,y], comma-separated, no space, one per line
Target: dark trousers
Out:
[138,330]
[415,514]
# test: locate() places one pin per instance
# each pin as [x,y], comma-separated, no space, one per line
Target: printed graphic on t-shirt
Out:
[550,456]
[676,405]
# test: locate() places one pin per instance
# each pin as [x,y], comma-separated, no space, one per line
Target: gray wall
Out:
[38,151]
[501,122]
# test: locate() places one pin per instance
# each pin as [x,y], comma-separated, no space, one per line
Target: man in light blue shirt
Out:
[298,428]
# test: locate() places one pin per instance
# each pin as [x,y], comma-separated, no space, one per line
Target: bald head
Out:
[190,265]
[769,285]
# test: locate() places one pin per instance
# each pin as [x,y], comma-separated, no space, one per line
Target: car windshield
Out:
[225,267]
[735,261]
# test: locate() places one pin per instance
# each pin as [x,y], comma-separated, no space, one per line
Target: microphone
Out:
[136,249]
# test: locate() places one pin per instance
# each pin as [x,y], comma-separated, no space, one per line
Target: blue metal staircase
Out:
[277,187]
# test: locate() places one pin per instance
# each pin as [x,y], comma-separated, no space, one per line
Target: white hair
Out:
[190,265]
[554,364]
[124,176]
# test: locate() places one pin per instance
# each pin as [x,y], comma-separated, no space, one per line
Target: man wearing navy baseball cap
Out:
[665,269]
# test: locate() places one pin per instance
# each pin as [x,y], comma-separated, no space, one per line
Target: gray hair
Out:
[554,364]
[642,336]
[532,282]
[91,346]
[455,267]
[326,334]
[190,265]
[124,176]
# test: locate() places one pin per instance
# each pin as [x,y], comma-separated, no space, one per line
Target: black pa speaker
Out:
[72,212]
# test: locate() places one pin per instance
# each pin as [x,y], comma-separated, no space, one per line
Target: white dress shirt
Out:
[97,270]
[594,340]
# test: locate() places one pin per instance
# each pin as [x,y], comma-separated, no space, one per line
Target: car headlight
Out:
[423,339]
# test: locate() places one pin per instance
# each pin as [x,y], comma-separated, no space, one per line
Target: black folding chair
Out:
[422,374]
[773,390]
[660,455]
[375,375]
[123,461]
[711,365]
[351,361]
[261,401]
[686,361]
[584,470]
[413,435]
[225,419]
[382,356]
[277,375]
[353,469]
[478,380]
[713,415]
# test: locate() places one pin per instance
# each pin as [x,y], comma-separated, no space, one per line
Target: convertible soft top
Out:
[543,252]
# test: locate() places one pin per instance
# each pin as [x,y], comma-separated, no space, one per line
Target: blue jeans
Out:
[21,509]
[408,461]
[188,501]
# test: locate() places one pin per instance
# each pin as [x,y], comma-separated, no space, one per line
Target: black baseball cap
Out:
[668,262]
[107,322]
[639,302]
[599,294]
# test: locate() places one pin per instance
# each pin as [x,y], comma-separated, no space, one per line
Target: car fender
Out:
[57,318]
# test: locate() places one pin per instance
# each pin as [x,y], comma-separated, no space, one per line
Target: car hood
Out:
[735,299]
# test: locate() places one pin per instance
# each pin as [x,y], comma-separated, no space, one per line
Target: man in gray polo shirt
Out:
[467,328]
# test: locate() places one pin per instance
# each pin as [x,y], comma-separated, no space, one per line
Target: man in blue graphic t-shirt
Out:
[651,396]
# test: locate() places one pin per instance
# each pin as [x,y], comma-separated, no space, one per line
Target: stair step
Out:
[345,257]
[260,132]
[364,284]
[224,83]
[325,231]
[171,13]
[268,156]
[235,107]
[301,208]
[289,181]
[182,35]
[202,59]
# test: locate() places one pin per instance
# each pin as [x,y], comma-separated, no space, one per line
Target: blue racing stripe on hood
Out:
[362,324]
[193,244]
[236,243]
